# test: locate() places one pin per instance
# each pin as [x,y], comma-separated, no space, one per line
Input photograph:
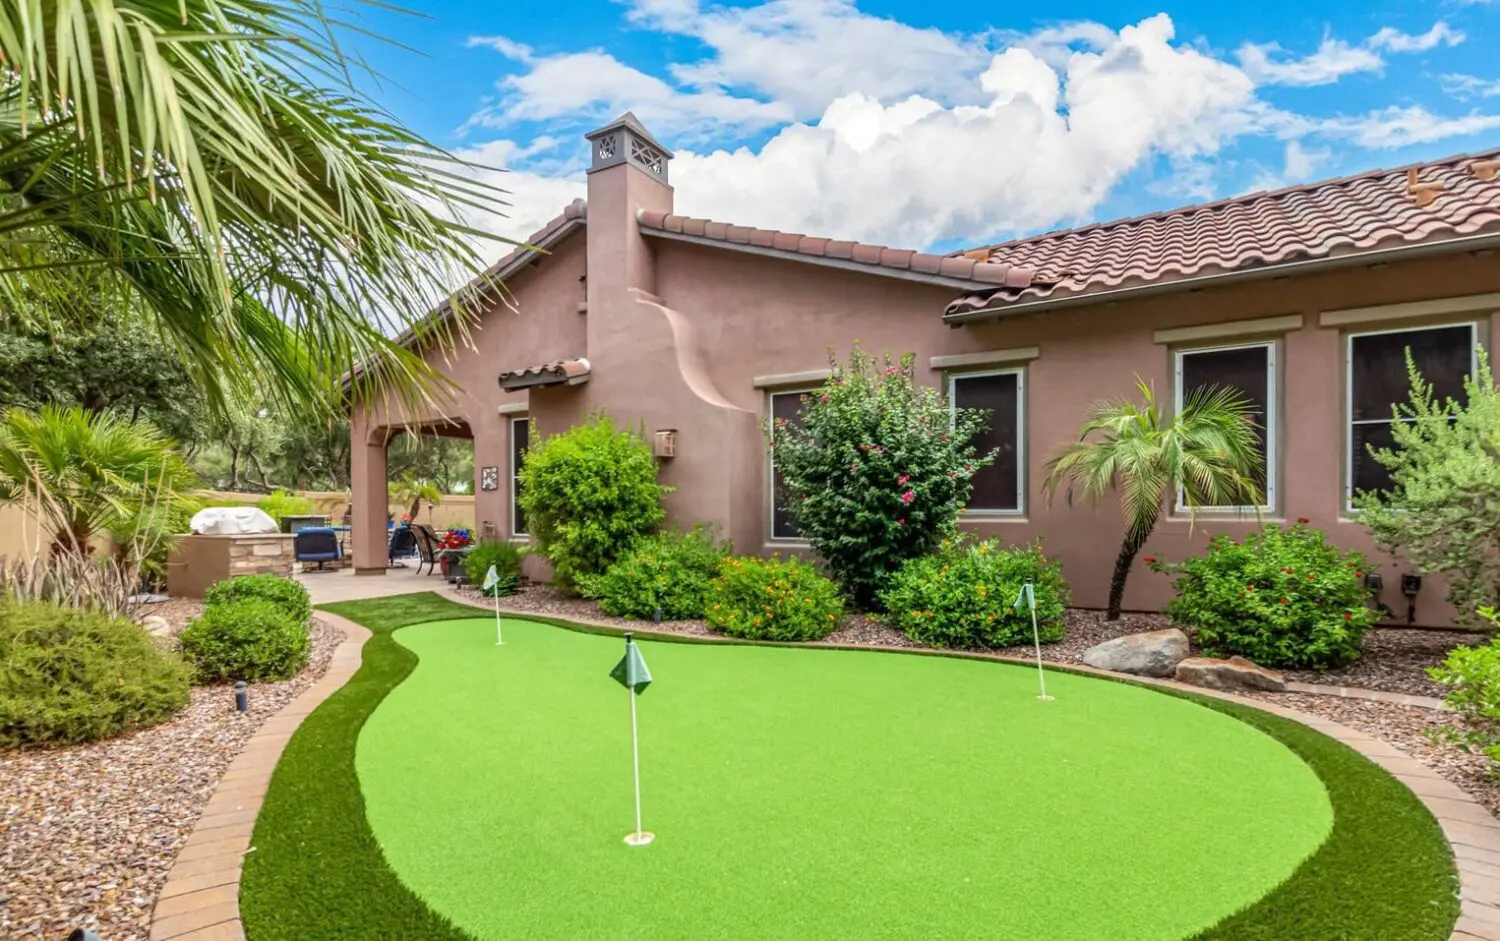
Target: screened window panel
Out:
[996,487]
[1247,371]
[520,440]
[785,406]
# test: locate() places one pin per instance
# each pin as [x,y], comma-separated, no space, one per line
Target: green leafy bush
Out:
[879,470]
[69,676]
[1282,597]
[589,493]
[505,556]
[669,572]
[285,593]
[1472,677]
[253,639]
[279,504]
[964,595]
[772,599]
[1443,508]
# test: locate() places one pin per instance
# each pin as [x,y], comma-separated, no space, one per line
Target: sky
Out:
[940,126]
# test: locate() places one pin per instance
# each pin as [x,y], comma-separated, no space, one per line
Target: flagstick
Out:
[1036,639]
[499,637]
[635,759]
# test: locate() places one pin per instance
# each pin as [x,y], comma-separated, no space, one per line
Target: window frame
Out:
[513,467]
[1272,423]
[1348,411]
[771,395]
[951,380]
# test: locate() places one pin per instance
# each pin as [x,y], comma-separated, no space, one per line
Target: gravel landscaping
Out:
[88,833]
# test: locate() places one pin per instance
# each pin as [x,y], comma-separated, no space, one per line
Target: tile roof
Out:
[1424,204]
[571,372]
[939,268]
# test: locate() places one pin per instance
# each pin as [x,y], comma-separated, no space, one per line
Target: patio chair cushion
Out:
[316,544]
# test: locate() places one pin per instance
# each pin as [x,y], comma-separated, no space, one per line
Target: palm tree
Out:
[1208,452]
[212,159]
[88,474]
[417,490]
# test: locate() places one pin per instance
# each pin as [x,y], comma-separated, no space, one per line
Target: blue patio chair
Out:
[318,544]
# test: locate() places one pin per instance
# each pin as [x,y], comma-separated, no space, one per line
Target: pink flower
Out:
[908,496]
[903,478]
[901,521]
[823,399]
[892,370]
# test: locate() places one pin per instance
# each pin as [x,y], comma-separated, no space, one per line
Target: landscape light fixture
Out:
[82,934]
[241,696]
[1410,585]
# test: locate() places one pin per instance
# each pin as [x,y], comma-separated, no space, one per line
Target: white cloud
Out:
[1268,63]
[520,52]
[1464,87]
[1299,165]
[1394,40]
[535,196]
[1404,126]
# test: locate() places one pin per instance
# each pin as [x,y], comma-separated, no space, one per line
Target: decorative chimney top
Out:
[626,140]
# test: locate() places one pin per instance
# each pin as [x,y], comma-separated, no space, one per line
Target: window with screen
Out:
[997,488]
[1249,370]
[1378,380]
[787,407]
[520,440]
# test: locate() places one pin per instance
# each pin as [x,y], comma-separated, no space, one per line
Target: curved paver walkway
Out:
[201,898]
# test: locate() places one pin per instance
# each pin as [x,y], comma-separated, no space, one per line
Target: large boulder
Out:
[1154,653]
[1236,673]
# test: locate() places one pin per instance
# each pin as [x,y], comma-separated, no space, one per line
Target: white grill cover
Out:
[232,521]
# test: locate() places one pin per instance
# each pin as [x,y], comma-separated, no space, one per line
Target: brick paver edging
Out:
[1472,831]
[200,901]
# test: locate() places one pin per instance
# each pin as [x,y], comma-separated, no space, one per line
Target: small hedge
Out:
[245,640]
[1282,597]
[285,593]
[669,572]
[773,599]
[963,596]
[70,676]
[505,556]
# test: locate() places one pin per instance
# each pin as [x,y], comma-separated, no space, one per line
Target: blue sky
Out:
[943,125]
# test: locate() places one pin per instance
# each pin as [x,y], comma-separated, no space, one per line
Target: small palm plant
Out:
[416,491]
[1208,452]
[90,474]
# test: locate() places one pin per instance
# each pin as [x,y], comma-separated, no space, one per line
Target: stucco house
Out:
[1305,299]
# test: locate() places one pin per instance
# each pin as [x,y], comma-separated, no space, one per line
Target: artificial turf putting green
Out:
[817,794]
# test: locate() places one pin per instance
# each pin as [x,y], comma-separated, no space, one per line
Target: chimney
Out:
[626,141]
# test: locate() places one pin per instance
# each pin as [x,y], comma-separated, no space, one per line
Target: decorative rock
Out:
[1232,674]
[1154,653]
[156,625]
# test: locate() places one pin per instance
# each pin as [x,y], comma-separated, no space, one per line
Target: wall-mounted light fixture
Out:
[1374,583]
[664,443]
[1410,585]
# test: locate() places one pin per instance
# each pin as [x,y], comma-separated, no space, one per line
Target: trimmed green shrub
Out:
[589,493]
[279,504]
[773,599]
[1282,597]
[505,556]
[878,471]
[964,595]
[1472,677]
[669,572]
[254,639]
[70,676]
[285,593]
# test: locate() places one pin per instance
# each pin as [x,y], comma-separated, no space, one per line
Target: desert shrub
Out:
[69,676]
[879,470]
[669,572]
[964,594]
[1282,597]
[1472,678]
[279,504]
[284,593]
[251,639]
[1442,510]
[772,599]
[505,556]
[589,493]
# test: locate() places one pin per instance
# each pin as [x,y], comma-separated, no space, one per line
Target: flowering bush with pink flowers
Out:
[878,471]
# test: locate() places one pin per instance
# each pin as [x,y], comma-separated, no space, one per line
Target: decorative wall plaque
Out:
[489,478]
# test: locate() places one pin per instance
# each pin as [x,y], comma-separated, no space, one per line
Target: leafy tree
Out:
[1443,507]
[416,491]
[86,475]
[214,161]
[879,470]
[1207,452]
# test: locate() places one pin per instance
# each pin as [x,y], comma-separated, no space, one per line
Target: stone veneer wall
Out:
[199,561]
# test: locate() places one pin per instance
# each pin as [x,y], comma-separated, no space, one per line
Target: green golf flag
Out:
[491,579]
[631,671]
[1026,594]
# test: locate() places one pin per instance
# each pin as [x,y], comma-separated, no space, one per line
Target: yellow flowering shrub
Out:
[772,599]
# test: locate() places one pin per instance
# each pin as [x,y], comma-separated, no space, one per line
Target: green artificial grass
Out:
[1383,872]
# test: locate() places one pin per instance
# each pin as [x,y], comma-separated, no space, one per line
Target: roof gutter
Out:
[1468,243]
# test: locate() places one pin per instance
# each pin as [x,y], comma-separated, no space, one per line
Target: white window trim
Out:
[1272,423]
[512,468]
[1021,476]
[1349,422]
[771,537]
